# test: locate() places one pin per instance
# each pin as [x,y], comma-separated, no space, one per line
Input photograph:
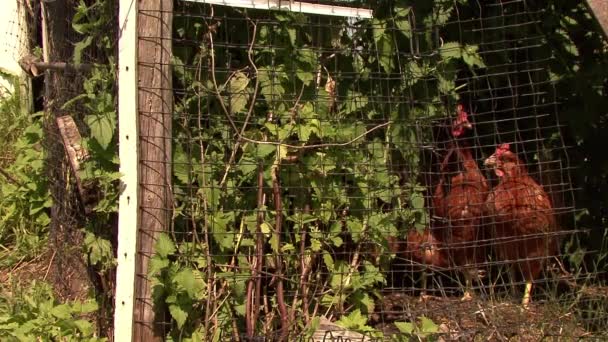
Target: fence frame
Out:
[128,217]
[293,6]
[128,288]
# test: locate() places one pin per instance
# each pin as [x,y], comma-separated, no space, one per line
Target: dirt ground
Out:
[483,320]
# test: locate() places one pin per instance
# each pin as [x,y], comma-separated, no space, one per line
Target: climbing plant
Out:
[270,134]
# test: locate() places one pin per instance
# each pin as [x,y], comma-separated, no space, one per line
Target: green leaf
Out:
[274,243]
[445,85]
[179,315]
[355,320]
[237,92]
[305,76]
[102,127]
[366,301]
[86,307]
[441,13]
[427,325]
[98,249]
[292,35]
[157,265]
[79,48]
[386,51]
[417,200]
[355,228]
[181,165]
[85,327]
[219,229]
[402,12]
[247,166]
[302,218]
[471,57]
[187,281]
[328,261]
[304,133]
[450,50]
[405,327]
[238,102]
[62,311]
[379,27]
[404,27]
[266,228]
[238,82]
[337,241]
[315,245]
[164,246]
[265,150]
[307,58]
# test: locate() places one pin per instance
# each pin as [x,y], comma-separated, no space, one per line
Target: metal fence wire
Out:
[403,175]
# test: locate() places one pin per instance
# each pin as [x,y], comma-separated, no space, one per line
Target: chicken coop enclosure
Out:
[373,170]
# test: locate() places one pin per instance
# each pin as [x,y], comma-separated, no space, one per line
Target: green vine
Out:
[96,22]
[34,314]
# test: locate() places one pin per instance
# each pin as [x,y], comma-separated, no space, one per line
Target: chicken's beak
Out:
[490,162]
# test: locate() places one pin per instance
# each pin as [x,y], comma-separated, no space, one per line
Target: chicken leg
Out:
[423,295]
[468,285]
[512,277]
[527,294]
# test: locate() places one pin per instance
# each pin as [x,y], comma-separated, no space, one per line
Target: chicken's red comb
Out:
[502,148]
[462,114]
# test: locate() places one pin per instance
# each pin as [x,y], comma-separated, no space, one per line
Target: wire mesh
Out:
[15,40]
[403,175]
[78,235]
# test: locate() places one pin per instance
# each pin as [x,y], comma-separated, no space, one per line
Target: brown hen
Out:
[423,249]
[523,216]
[462,207]
[452,241]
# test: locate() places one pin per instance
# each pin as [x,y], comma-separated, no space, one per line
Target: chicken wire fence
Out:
[78,219]
[41,168]
[395,176]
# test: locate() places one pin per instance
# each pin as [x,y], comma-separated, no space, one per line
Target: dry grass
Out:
[25,272]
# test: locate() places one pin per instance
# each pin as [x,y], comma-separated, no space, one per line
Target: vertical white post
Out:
[129,167]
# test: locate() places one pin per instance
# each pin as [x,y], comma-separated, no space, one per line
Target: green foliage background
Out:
[580,68]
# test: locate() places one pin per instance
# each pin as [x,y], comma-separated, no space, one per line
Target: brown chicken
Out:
[523,217]
[452,242]
[462,207]
[423,249]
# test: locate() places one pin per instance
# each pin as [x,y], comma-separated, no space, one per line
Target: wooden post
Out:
[155,105]
[128,204]
[599,9]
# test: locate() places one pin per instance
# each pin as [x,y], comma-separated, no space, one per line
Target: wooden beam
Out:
[155,106]
[34,67]
[128,203]
[76,153]
[599,9]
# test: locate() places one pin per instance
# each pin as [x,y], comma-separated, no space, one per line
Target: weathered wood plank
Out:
[331,332]
[599,9]
[155,104]
[72,143]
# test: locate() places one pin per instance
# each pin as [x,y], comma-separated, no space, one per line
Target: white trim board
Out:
[293,6]
[128,203]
